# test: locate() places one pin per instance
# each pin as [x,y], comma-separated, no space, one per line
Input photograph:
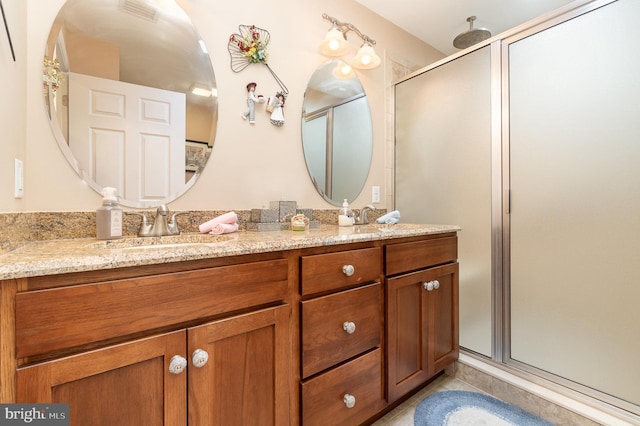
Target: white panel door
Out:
[128,136]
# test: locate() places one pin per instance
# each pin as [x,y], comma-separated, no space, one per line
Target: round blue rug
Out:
[463,408]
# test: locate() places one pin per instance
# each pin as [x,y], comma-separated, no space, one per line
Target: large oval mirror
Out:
[337,137]
[131,96]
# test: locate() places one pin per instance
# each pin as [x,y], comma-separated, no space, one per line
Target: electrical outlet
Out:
[18,179]
[375,194]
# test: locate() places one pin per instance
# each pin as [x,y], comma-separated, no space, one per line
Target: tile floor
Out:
[403,414]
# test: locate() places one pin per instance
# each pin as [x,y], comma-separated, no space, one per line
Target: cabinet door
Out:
[127,384]
[422,327]
[247,378]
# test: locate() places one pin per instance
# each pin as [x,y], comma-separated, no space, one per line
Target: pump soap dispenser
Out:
[109,216]
[345,216]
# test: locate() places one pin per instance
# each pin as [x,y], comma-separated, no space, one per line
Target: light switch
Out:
[375,194]
[18,179]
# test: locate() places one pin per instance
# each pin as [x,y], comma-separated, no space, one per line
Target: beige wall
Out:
[250,165]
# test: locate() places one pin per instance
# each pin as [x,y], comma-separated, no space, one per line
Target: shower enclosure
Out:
[532,145]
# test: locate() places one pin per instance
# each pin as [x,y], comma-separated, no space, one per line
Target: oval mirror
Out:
[337,136]
[131,97]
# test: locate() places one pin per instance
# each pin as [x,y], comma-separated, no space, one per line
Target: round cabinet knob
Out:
[349,327]
[348,270]
[428,286]
[436,284]
[199,358]
[177,364]
[349,400]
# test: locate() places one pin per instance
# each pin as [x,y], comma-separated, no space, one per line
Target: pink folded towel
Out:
[223,228]
[229,218]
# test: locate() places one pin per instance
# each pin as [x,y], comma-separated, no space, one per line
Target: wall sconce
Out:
[335,44]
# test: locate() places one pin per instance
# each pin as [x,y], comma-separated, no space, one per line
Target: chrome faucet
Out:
[160,226]
[361,217]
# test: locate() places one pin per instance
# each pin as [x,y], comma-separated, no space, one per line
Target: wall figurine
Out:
[252,99]
[276,107]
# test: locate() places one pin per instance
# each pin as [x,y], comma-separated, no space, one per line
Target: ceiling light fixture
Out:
[335,44]
[201,90]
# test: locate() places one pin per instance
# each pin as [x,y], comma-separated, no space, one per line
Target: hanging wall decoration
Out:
[249,46]
[6,27]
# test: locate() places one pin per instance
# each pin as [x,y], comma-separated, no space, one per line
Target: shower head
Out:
[471,36]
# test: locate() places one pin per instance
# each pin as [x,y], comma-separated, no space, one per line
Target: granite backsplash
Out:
[17,229]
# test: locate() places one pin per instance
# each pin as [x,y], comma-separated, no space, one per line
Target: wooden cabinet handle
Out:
[199,358]
[348,270]
[349,327]
[177,365]
[349,400]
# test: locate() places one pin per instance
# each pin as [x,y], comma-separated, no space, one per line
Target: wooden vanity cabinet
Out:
[422,312]
[342,363]
[119,339]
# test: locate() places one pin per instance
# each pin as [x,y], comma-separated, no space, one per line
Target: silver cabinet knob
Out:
[431,285]
[349,400]
[349,327]
[177,364]
[348,270]
[199,358]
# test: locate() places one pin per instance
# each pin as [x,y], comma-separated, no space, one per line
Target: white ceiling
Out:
[437,22]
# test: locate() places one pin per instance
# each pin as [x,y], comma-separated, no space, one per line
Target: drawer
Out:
[67,317]
[325,272]
[323,396]
[325,342]
[404,257]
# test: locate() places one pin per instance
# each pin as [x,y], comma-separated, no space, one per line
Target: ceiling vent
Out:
[142,9]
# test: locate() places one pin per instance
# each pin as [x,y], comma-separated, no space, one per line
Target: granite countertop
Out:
[88,254]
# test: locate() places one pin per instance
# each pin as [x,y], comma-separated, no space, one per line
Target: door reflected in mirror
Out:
[134,103]
[337,136]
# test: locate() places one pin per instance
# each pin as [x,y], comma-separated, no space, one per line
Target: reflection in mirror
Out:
[337,137]
[131,97]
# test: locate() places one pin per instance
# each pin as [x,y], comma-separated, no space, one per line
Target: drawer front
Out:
[325,272]
[404,257]
[340,326]
[59,318]
[323,397]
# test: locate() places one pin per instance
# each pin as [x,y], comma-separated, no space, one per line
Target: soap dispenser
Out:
[109,216]
[345,215]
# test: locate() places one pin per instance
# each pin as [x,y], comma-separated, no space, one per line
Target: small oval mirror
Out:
[337,136]
[131,97]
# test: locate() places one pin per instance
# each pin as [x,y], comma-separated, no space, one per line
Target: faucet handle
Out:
[173,223]
[144,226]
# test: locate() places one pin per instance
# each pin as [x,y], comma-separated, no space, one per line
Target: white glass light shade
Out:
[343,71]
[366,58]
[334,43]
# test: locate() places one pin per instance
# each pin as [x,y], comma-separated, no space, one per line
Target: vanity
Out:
[246,328]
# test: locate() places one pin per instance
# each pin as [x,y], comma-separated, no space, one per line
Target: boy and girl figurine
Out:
[275,106]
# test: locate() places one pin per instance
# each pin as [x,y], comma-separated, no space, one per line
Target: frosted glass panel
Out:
[352,136]
[443,173]
[575,207]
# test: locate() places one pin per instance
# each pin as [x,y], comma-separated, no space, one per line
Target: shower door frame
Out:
[500,214]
